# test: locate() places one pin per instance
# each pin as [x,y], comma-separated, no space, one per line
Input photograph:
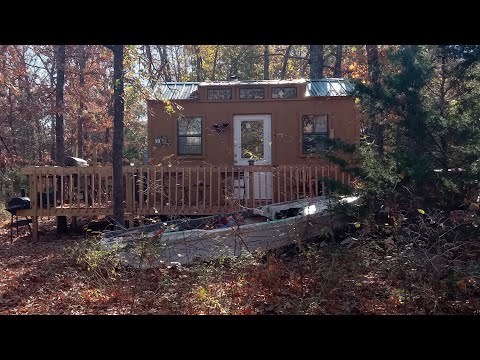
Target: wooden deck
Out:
[175,190]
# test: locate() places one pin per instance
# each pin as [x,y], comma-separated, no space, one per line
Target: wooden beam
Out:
[35,236]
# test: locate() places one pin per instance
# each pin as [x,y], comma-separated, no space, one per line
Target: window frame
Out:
[251,88]
[284,98]
[220,88]
[179,153]
[303,133]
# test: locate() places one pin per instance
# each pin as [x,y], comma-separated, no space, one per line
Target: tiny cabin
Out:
[228,123]
[215,147]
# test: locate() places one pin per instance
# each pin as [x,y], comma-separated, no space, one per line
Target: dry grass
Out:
[370,277]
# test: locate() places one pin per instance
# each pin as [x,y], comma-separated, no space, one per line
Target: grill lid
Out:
[74,161]
[17,203]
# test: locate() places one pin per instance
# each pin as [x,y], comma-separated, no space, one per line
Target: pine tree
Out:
[429,113]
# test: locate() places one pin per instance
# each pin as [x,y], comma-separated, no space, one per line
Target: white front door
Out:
[252,136]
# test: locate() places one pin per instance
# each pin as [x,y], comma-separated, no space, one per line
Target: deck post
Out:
[251,190]
[35,237]
[74,223]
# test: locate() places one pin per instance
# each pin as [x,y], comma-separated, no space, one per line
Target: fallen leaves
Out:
[43,278]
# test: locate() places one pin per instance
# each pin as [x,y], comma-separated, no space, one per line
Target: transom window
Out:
[284,92]
[219,94]
[314,133]
[189,135]
[252,93]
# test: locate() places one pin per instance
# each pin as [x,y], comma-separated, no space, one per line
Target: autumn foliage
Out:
[412,248]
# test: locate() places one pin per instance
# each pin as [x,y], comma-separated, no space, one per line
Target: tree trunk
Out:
[266,62]
[167,76]
[52,128]
[38,125]
[337,70]
[107,154]
[59,126]
[118,107]
[443,93]
[374,74]
[40,138]
[305,64]
[11,121]
[214,67]
[316,62]
[372,61]
[107,135]
[198,64]
[150,67]
[177,67]
[82,60]
[285,62]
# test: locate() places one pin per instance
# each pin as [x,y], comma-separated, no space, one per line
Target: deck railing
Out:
[187,190]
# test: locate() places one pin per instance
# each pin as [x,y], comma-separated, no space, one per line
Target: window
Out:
[219,94]
[284,92]
[189,133]
[314,133]
[252,93]
[252,141]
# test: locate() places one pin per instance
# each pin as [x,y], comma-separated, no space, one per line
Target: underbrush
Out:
[426,263]
[432,255]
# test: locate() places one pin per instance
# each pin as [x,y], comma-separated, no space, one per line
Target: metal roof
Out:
[177,90]
[320,87]
[253,82]
[329,87]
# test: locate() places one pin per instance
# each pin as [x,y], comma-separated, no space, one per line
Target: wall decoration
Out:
[162,141]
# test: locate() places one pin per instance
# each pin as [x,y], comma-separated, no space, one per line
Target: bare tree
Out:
[215,59]
[337,70]
[59,125]
[374,75]
[285,62]
[164,63]
[266,62]
[50,68]
[198,63]
[316,61]
[372,61]
[442,102]
[148,52]
[82,61]
[118,108]
[305,63]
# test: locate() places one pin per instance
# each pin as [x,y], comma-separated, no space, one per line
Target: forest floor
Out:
[326,278]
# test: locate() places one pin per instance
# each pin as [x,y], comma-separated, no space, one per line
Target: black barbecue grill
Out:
[14,204]
[23,202]
[17,203]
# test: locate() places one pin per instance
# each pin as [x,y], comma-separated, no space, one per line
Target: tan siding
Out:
[286,126]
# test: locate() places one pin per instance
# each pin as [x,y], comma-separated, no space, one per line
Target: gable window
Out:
[314,133]
[189,135]
[219,94]
[284,92]
[252,93]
